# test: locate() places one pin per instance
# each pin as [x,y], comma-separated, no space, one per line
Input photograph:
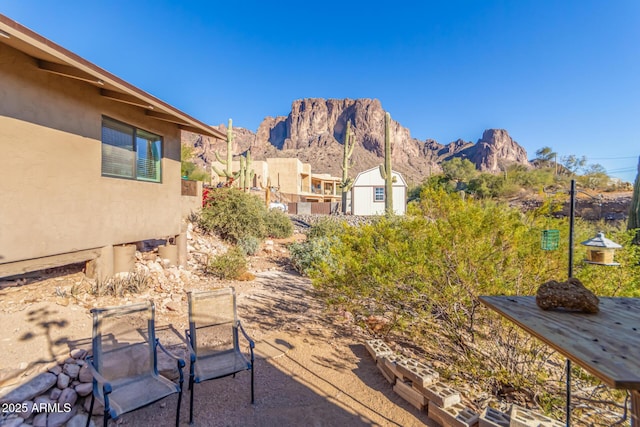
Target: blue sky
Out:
[564,74]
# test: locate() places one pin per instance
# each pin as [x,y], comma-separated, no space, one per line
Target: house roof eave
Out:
[53,58]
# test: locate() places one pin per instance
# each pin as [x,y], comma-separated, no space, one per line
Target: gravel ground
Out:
[311,368]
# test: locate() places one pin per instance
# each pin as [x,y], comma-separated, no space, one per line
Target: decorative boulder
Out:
[570,295]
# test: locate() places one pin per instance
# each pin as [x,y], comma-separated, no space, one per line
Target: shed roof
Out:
[402,180]
[53,58]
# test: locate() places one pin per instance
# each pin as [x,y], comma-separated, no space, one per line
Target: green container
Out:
[550,240]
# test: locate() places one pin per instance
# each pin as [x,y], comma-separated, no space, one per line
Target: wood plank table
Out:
[606,344]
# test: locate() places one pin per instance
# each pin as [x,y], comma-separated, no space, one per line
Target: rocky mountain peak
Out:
[314,132]
[496,149]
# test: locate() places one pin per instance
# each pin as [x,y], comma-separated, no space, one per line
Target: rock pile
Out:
[52,398]
[353,220]
[62,395]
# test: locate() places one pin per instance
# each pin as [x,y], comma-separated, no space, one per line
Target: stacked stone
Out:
[52,398]
[419,384]
[62,395]
[311,219]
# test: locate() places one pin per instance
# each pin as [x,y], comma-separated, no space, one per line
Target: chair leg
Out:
[106,417]
[252,384]
[191,400]
[93,398]
[179,403]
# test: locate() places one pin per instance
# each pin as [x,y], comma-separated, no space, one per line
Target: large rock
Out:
[84,376]
[68,396]
[58,419]
[31,389]
[496,150]
[570,295]
[84,389]
[71,369]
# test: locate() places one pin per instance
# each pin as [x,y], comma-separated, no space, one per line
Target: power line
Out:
[612,158]
[622,170]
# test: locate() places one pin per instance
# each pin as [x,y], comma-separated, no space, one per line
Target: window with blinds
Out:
[131,153]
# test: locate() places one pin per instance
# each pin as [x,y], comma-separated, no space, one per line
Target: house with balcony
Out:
[293,179]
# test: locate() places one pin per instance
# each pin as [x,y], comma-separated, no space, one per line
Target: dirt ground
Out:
[312,367]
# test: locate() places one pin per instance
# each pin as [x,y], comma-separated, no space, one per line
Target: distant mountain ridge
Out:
[314,131]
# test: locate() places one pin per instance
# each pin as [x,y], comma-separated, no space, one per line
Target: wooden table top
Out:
[606,344]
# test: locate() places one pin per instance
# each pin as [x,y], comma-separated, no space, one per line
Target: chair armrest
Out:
[106,386]
[180,362]
[192,352]
[252,344]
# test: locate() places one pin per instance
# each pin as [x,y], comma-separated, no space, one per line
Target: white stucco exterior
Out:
[363,193]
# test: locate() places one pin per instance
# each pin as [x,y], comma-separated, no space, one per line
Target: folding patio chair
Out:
[212,339]
[124,362]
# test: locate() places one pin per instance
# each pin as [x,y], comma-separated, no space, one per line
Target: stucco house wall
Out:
[287,174]
[54,199]
[363,193]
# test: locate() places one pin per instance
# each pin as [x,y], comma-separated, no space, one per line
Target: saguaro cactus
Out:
[346,183]
[634,211]
[245,174]
[228,171]
[385,169]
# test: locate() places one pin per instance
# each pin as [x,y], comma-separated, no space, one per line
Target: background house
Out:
[294,179]
[87,161]
[367,193]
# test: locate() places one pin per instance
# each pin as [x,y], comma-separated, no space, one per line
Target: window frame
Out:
[375,200]
[134,144]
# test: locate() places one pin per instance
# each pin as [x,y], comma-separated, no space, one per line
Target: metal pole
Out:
[572,217]
[568,409]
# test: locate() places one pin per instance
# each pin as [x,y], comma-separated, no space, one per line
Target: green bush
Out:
[308,256]
[278,224]
[249,245]
[325,227]
[230,265]
[233,214]
[425,272]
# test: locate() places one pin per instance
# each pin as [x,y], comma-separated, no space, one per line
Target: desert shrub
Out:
[233,214]
[425,272]
[486,185]
[249,245]
[121,284]
[325,227]
[308,256]
[230,265]
[278,224]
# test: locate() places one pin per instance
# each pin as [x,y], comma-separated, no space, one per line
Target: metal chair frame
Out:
[191,336]
[100,383]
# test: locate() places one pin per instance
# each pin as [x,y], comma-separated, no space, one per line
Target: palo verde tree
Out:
[545,155]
